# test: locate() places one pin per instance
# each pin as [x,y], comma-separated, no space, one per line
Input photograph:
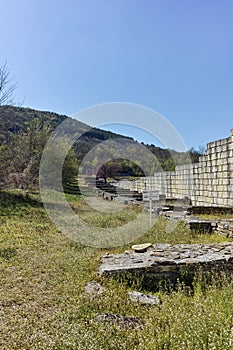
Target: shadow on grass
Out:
[188,280]
[13,197]
[7,253]
[17,203]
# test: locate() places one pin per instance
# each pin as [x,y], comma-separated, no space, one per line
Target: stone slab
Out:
[170,262]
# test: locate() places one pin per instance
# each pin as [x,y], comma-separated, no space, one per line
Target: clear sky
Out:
[174,56]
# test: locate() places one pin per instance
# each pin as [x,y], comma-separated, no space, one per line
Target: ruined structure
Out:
[207,183]
[166,263]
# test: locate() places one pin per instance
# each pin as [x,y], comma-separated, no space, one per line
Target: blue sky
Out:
[174,56]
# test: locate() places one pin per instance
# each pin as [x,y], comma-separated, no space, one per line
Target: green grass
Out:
[215,216]
[43,304]
[106,220]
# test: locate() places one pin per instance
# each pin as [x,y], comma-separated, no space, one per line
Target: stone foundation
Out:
[166,263]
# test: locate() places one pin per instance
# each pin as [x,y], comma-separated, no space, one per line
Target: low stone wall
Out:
[166,263]
[207,183]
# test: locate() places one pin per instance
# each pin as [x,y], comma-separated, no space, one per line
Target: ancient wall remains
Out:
[207,183]
[164,264]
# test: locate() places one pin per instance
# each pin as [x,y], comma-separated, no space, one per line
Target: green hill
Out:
[24,132]
[16,119]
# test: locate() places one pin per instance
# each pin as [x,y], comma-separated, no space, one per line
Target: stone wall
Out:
[207,183]
[166,262]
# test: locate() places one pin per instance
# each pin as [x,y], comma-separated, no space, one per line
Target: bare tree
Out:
[7,88]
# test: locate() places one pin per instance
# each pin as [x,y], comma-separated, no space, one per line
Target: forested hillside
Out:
[25,131]
[16,119]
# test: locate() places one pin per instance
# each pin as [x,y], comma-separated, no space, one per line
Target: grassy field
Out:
[43,304]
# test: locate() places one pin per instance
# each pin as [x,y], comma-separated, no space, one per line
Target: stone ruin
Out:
[165,264]
[206,183]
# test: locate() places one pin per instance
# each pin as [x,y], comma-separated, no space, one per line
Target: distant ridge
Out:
[16,119]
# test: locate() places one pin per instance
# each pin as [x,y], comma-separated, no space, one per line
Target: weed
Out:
[43,304]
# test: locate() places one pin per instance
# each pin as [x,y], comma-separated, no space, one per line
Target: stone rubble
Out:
[94,288]
[221,226]
[141,248]
[144,299]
